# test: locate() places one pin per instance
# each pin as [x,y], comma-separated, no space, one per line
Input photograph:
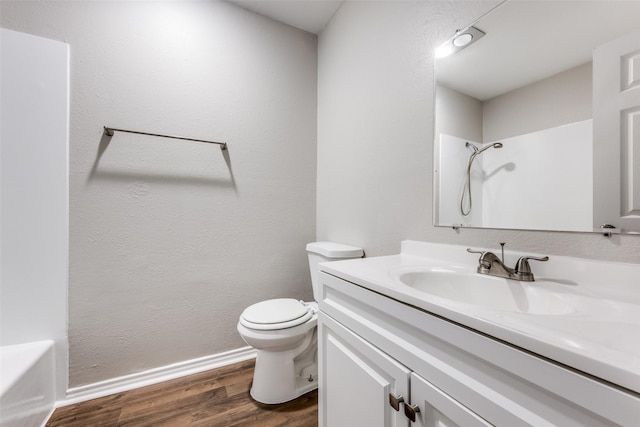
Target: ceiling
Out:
[527,41]
[308,15]
[524,41]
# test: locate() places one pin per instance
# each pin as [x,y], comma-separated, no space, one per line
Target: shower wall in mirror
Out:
[526,87]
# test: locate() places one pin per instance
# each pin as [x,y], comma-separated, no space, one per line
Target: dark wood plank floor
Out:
[219,397]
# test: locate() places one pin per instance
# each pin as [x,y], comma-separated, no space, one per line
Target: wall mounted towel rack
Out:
[109,131]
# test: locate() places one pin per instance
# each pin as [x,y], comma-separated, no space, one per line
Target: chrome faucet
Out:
[490,264]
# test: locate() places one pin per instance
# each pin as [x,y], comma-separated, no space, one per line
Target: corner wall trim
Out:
[156,375]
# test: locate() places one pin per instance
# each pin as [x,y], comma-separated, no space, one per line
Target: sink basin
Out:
[487,291]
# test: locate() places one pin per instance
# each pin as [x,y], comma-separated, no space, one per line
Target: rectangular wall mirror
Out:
[537,121]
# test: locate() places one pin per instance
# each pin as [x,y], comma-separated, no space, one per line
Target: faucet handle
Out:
[484,265]
[523,269]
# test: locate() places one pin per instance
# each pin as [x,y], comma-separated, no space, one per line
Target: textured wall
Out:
[375,133]
[557,100]
[171,240]
[458,114]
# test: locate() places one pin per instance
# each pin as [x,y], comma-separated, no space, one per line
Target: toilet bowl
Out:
[285,362]
[283,332]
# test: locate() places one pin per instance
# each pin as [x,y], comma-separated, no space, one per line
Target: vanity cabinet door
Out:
[356,381]
[437,409]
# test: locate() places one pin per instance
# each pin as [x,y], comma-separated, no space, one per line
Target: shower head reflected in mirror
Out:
[477,150]
[466,210]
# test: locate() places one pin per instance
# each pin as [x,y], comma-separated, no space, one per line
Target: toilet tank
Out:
[327,251]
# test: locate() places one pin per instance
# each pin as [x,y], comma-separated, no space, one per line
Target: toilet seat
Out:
[276,314]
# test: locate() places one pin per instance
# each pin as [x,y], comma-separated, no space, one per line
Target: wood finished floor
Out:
[219,397]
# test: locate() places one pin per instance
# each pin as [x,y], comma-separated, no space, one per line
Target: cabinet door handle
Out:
[395,401]
[411,411]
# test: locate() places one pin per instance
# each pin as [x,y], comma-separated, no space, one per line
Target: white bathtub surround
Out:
[514,169]
[34,258]
[27,384]
[591,328]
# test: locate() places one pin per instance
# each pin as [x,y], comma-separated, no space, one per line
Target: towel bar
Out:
[109,131]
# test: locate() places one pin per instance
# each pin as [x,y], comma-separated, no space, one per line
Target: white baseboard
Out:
[156,375]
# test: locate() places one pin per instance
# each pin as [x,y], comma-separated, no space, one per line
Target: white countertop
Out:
[600,336]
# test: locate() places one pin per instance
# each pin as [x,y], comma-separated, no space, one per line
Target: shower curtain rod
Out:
[109,131]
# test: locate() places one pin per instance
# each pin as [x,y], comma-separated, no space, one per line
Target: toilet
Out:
[283,331]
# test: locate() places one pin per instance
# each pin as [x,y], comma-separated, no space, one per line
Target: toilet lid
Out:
[276,314]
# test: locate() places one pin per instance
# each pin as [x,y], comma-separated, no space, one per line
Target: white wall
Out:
[34,134]
[375,133]
[375,125]
[171,240]
[458,114]
[563,98]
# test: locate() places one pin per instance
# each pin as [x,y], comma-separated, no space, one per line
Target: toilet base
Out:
[285,375]
[274,397]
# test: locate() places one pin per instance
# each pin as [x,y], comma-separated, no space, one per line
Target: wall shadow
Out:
[115,175]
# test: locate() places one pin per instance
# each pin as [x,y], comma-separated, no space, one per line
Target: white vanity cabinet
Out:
[358,378]
[364,386]
[373,349]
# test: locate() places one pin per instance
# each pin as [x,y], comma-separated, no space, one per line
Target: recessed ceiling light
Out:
[462,40]
[459,41]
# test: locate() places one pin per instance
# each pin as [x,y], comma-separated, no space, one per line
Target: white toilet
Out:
[283,331]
